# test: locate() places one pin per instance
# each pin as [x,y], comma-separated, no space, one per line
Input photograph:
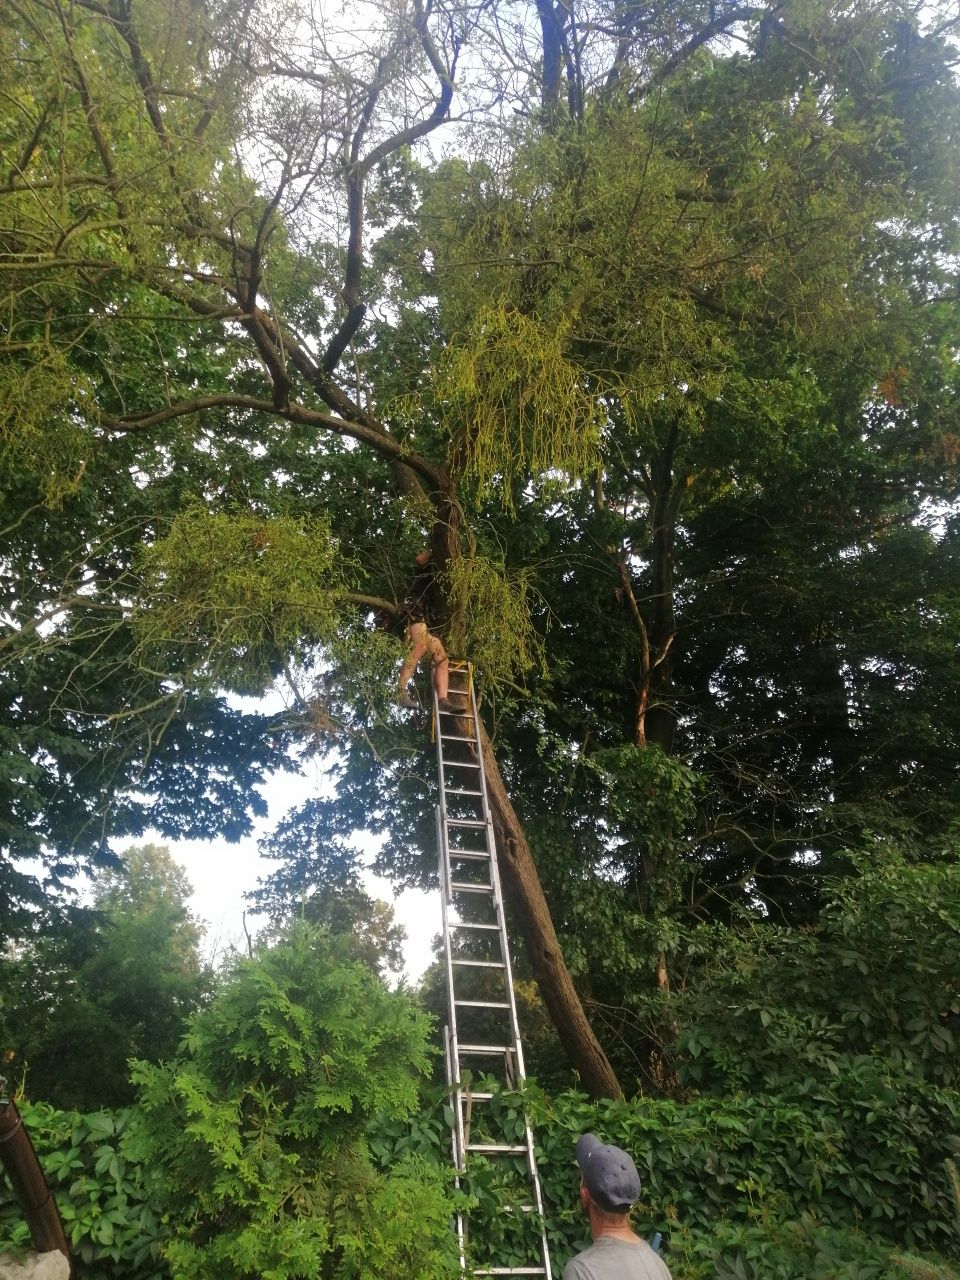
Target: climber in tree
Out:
[421,642]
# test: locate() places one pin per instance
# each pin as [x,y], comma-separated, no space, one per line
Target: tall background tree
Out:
[661,359]
[77,1005]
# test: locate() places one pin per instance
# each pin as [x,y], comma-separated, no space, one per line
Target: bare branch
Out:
[729,18]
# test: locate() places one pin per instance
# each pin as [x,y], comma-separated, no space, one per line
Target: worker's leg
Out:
[441,666]
[418,642]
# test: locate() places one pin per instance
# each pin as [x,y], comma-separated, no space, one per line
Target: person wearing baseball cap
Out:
[609,1187]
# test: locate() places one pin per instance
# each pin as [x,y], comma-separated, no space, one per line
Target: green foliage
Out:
[518,405]
[924,1269]
[41,443]
[787,1176]
[257,1133]
[78,1004]
[493,623]
[756,1013]
[646,791]
[322,882]
[722,290]
[832,1184]
[790,1184]
[239,593]
[113,1222]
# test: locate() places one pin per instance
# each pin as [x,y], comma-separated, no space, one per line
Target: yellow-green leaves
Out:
[236,591]
[519,407]
[43,443]
[493,622]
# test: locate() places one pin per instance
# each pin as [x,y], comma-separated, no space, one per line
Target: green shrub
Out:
[256,1136]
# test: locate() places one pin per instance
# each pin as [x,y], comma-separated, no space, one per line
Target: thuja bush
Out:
[256,1137]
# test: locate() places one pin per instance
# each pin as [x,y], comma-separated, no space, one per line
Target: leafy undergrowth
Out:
[295,1136]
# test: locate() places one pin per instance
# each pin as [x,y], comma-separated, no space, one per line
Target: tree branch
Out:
[359,168]
[378,440]
[704,36]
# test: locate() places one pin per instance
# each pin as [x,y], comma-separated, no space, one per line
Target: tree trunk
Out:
[520,876]
[660,714]
[19,1161]
[522,883]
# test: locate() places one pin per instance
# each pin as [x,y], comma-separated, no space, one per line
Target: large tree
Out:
[77,1005]
[660,358]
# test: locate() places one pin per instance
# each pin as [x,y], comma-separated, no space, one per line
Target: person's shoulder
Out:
[573,1271]
[655,1264]
[663,1271]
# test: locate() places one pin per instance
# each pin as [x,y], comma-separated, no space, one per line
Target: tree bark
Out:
[522,883]
[661,717]
[19,1161]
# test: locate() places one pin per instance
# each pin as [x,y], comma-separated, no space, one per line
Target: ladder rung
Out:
[461,764]
[468,924]
[453,791]
[456,737]
[485,1048]
[481,1004]
[498,1148]
[476,823]
[481,964]
[511,1271]
[457,886]
[476,1097]
[475,854]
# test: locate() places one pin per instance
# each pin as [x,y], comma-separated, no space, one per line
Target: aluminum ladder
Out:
[482,1025]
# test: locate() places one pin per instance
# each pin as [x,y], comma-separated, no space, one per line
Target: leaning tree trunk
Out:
[522,883]
[520,875]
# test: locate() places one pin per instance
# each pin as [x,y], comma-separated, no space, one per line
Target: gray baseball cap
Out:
[609,1174]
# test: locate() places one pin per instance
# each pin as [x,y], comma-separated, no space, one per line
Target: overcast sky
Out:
[222,873]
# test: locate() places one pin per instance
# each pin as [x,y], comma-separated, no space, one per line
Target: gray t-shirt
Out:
[612,1259]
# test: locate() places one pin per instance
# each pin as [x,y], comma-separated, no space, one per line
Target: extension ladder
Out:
[482,1014]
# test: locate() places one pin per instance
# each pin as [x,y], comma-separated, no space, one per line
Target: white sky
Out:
[222,873]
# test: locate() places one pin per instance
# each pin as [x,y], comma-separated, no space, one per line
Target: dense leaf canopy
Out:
[645,318]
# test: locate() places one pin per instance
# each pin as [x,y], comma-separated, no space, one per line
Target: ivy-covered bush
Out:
[826,1184]
[854,1169]
[113,1221]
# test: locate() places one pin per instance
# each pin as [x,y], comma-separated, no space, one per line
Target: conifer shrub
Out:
[256,1136]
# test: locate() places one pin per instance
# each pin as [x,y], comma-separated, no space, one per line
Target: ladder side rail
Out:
[501,928]
[459,1218]
[451,1038]
[538,1199]
[459,1154]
